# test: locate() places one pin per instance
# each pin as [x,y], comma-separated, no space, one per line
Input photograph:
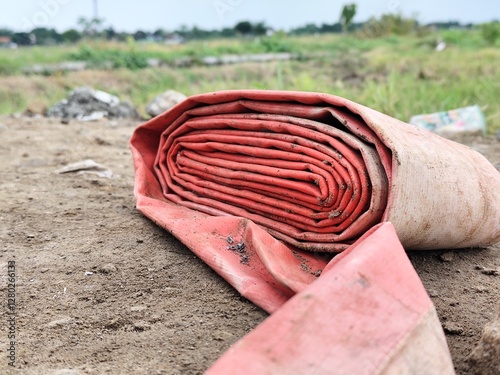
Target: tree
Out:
[6,32]
[160,33]
[90,27]
[347,15]
[183,31]
[388,24]
[310,28]
[140,35]
[23,39]
[110,33]
[227,32]
[123,37]
[333,28]
[260,28]
[71,36]
[46,36]
[243,27]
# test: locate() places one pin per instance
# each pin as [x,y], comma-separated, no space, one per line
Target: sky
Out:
[149,15]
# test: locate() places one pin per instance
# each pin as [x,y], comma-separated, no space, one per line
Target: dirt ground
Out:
[150,306]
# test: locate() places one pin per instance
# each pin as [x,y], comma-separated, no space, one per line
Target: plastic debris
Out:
[86,166]
[467,119]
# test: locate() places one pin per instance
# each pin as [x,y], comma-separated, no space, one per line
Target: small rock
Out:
[107,268]
[59,322]
[106,98]
[141,326]
[66,371]
[433,293]
[480,289]
[30,236]
[34,109]
[489,271]
[94,116]
[154,63]
[485,358]
[114,324]
[155,318]
[138,308]
[221,335]
[164,102]
[452,328]
[447,257]
[88,273]
[186,362]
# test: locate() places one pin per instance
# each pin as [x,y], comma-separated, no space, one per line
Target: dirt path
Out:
[149,306]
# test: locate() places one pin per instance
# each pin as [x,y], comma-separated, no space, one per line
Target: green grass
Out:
[400,76]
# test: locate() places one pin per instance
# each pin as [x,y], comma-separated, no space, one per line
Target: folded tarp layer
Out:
[314,170]
[367,314]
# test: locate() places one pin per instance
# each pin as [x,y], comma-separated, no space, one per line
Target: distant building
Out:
[174,40]
[6,42]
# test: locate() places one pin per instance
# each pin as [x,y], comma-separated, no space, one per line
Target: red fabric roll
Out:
[368,313]
[229,173]
[308,183]
[313,169]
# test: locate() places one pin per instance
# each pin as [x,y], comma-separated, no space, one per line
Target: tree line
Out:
[94,29]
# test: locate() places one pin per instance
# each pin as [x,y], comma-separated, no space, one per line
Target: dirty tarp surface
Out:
[230,172]
[369,299]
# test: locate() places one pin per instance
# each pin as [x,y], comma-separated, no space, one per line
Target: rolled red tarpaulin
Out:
[317,170]
[230,172]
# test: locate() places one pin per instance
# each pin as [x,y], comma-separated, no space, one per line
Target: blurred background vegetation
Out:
[392,63]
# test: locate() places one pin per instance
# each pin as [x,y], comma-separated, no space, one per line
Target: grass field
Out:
[400,76]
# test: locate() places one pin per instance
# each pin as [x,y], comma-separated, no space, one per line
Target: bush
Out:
[276,43]
[490,32]
[463,38]
[130,59]
[388,24]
